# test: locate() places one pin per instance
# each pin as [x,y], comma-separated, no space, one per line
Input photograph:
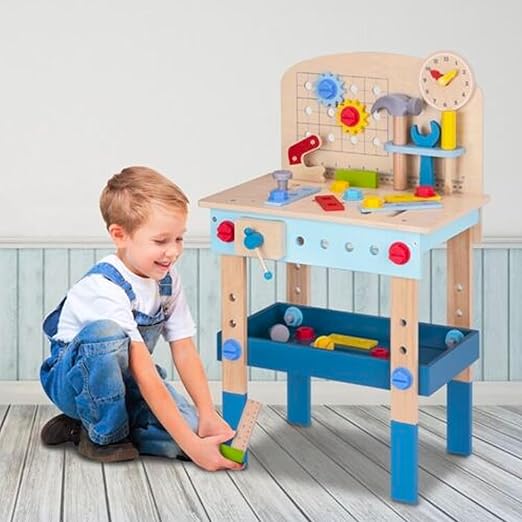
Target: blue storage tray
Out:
[438,364]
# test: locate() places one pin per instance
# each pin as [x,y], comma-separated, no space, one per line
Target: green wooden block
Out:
[358,178]
[231,453]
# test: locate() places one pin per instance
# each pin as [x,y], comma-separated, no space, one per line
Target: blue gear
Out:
[329,89]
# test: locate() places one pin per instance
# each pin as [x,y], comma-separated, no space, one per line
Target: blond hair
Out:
[128,197]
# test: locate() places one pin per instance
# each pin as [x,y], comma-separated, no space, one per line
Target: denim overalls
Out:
[89,377]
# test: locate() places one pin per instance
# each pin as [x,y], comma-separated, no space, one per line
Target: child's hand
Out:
[205,453]
[213,424]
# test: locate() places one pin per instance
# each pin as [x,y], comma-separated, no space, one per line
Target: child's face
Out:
[155,246]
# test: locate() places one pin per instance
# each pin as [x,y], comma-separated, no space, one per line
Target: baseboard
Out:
[274,392]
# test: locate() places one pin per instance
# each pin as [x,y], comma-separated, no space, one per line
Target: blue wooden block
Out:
[293,195]
[459,417]
[404,462]
[299,399]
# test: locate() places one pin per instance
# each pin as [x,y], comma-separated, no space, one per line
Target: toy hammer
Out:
[400,106]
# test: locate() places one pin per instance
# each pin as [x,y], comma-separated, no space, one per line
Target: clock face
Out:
[446,81]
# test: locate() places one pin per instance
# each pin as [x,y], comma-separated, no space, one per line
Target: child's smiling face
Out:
[155,246]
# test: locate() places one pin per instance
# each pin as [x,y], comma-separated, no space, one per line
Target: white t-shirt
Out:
[95,297]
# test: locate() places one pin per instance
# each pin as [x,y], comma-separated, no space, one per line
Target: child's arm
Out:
[203,451]
[192,374]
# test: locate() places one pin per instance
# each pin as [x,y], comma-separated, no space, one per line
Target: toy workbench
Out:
[381,162]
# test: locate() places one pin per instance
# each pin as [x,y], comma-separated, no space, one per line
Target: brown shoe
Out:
[61,429]
[115,452]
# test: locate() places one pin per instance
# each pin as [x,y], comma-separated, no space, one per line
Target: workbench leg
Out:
[299,399]
[234,337]
[459,311]
[299,396]
[404,368]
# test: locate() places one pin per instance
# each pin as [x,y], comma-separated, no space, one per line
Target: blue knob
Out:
[252,239]
[231,350]
[401,378]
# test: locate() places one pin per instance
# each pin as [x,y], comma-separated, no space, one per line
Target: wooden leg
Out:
[404,367]
[297,283]
[298,387]
[459,311]
[234,336]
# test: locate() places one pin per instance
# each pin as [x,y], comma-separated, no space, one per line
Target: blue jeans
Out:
[89,379]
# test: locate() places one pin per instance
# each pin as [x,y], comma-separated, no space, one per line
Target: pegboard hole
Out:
[299,240]
[403,350]
[232,323]
[330,112]
[308,110]
[331,138]
[354,140]
[349,247]
[354,89]
[324,244]
[404,322]
[308,86]
[376,90]
[374,250]
[232,297]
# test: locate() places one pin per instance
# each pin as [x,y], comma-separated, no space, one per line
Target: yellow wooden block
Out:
[448,136]
[339,186]
[324,342]
[373,202]
[408,198]
[353,342]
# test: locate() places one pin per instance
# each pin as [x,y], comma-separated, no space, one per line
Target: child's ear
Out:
[118,235]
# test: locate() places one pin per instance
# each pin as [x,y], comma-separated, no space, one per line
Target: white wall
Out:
[192,89]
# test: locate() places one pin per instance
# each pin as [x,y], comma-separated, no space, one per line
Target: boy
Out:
[115,401]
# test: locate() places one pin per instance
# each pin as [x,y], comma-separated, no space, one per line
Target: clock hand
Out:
[447,78]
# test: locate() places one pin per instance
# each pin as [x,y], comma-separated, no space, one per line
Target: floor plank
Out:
[40,493]
[337,470]
[431,487]
[128,492]
[486,451]
[267,499]
[316,503]
[359,501]
[499,424]
[175,495]
[472,487]
[14,438]
[486,433]
[219,495]
[84,494]
[366,471]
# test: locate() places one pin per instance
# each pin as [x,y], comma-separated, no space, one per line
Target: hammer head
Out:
[398,105]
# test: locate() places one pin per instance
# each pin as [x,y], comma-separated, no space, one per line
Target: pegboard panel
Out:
[365,78]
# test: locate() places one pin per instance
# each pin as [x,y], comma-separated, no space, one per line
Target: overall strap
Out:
[165,290]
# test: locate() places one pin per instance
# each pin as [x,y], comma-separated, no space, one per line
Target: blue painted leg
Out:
[404,462]
[299,399]
[233,404]
[459,417]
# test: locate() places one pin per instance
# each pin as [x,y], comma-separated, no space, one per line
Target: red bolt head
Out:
[380,352]
[350,116]
[304,334]
[225,231]
[399,253]
[424,191]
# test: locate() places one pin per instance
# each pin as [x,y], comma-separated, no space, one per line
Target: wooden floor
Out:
[338,469]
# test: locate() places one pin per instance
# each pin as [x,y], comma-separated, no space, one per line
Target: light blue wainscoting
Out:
[33,280]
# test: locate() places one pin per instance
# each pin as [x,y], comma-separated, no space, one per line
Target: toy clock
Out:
[446,83]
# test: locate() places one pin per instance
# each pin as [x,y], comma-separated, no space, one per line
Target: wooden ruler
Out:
[246,425]
[236,451]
